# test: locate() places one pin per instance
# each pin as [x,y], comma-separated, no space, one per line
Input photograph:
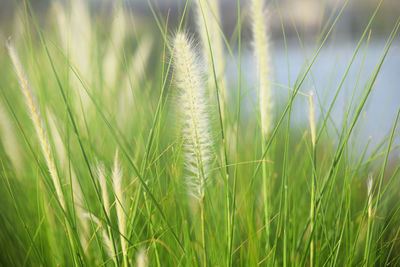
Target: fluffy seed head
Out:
[37,121]
[261,55]
[120,203]
[112,59]
[108,245]
[103,185]
[141,258]
[9,140]
[311,117]
[195,118]
[369,188]
[76,36]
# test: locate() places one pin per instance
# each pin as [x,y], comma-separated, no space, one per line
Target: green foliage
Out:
[97,95]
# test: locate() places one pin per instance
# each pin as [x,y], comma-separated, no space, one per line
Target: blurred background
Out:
[307,15]
[303,21]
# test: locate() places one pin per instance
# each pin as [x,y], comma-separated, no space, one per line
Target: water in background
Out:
[381,108]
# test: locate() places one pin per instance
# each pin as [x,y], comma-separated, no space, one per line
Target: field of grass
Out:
[124,144]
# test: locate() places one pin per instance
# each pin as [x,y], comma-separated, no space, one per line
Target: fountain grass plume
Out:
[107,243]
[114,53]
[196,124]
[141,258]
[75,31]
[37,120]
[110,244]
[261,54]
[120,203]
[311,115]
[195,117]
[369,232]
[9,140]
[370,182]
[101,174]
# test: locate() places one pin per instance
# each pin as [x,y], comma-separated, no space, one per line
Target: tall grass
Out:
[124,143]
[261,55]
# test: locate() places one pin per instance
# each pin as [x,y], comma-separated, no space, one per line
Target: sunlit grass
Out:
[118,147]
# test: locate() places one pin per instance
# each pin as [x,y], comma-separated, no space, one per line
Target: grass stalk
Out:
[313,188]
[259,29]
[37,122]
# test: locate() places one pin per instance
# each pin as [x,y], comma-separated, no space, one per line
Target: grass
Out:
[119,148]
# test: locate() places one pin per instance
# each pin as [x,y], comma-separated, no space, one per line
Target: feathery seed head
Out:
[9,138]
[195,118]
[120,203]
[369,189]
[76,36]
[103,186]
[108,245]
[112,59]
[117,175]
[37,120]
[312,118]
[369,184]
[260,43]
[141,258]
